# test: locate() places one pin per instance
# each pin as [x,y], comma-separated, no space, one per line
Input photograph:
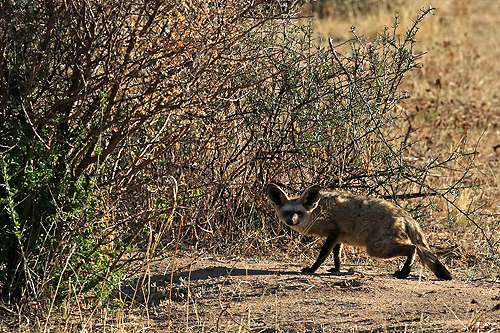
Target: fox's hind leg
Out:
[405,271]
[323,254]
[390,248]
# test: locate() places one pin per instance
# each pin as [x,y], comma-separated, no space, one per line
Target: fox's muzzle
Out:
[294,220]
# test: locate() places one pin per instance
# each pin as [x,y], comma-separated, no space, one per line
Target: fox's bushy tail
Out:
[428,258]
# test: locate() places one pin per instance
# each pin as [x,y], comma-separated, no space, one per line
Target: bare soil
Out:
[219,294]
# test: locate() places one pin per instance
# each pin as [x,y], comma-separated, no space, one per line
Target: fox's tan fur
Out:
[383,229]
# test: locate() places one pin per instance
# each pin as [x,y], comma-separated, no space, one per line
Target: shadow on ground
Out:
[222,271]
[152,289]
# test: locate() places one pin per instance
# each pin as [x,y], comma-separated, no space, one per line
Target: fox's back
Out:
[358,219]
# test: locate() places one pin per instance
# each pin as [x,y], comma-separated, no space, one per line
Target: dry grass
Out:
[460,70]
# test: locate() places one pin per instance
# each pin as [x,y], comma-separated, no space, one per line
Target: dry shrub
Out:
[97,99]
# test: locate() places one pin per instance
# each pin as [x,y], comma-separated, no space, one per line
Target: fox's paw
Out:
[308,270]
[334,270]
[400,274]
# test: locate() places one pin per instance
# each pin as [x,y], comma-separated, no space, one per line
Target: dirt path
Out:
[212,294]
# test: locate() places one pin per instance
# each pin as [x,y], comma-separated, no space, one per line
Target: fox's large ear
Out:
[276,195]
[310,197]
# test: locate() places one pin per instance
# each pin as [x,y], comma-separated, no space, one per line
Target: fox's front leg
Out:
[323,254]
[337,249]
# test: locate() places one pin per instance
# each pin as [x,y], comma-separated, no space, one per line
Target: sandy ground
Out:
[213,294]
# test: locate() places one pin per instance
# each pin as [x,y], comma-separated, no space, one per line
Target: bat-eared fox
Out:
[382,228]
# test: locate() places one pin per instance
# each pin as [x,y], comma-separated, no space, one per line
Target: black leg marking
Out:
[405,271]
[323,254]
[337,249]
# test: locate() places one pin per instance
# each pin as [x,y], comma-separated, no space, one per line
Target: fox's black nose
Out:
[294,219]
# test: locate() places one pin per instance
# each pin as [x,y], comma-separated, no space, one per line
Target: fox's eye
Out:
[299,213]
